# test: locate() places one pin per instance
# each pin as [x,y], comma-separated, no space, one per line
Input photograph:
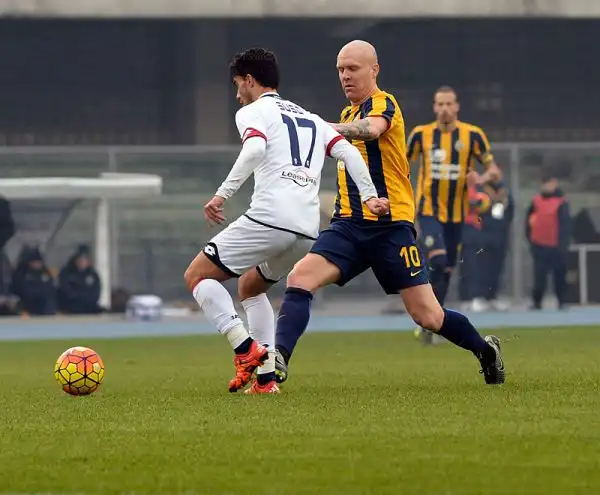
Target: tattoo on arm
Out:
[359,129]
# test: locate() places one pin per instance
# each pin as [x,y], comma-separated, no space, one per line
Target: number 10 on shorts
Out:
[411,257]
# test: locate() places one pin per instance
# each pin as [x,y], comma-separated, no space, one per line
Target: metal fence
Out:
[153,240]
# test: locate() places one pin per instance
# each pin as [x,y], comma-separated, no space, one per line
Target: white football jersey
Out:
[286,183]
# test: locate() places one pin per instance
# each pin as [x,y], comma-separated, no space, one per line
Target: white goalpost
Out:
[70,189]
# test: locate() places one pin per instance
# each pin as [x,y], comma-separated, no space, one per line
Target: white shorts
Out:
[246,244]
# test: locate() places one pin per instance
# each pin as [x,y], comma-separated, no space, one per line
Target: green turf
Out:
[363,413]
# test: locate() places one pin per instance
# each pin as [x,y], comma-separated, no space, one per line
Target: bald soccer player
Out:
[357,240]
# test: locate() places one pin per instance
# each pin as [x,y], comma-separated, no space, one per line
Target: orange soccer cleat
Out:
[268,388]
[245,364]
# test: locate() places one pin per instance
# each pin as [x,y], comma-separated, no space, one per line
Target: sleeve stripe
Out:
[331,144]
[380,107]
[413,140]
[483,148]
[250,133]
[390,109]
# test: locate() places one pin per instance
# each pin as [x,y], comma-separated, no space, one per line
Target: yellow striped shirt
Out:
[446,159]
[388,165]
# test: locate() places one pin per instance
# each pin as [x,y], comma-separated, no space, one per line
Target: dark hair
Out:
[260,63]
[548,175]
[446,89]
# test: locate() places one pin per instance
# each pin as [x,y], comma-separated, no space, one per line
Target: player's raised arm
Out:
[250,156]
[254,146]
[340,149]
[377,121]
[482,152]
[251,127]
[366,129]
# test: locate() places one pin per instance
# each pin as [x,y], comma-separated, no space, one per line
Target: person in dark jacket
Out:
[495,236]
[548,230]
[9,302]
[7,231]
[7,223]
[32,282]
[79,285]
[472,243]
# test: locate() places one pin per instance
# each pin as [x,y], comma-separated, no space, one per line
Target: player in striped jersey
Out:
[356,240]
[448,149]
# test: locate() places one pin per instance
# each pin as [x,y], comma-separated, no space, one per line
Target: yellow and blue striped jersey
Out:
[387,162]
[446,159]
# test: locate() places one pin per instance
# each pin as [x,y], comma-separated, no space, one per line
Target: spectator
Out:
[7,231]
[79,285]
[495,237]
[469,281]
[33,283]
[7,223]
[548,230]
[9,303]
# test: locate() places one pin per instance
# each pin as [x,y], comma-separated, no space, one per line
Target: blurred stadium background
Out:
[98,87]
[142,86]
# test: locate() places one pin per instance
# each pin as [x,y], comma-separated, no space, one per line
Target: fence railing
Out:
[159,236]
[582,251]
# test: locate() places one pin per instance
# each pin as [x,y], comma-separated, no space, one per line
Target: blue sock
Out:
[439,277]
[444,286]
[460,331]
[292,320]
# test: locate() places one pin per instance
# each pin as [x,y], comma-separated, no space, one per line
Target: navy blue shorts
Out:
[389,249]
[437,235]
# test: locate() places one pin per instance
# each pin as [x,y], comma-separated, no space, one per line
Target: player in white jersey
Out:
[284,146]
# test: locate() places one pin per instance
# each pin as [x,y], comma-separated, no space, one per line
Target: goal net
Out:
[42,206]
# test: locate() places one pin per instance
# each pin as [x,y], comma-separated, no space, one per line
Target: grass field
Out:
[363,413]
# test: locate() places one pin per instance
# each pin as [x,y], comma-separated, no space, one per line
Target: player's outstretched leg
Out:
[440,281]
[217,305]
[261,324]
[440,276]
[424,308]
[292,321]
[309,274]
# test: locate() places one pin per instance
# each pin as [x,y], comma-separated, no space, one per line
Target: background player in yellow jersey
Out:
[357,240]
[448,149]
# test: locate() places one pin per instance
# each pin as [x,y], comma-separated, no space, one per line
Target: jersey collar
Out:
[271,94]
[378,91]
[456,122]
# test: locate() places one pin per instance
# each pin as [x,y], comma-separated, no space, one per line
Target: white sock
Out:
[217,305]
[261,323]
[269,364]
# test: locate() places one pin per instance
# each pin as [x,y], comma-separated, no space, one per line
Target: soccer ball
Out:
[79,371]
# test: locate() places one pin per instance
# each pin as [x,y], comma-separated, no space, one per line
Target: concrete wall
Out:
[302,8]
[161,81]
